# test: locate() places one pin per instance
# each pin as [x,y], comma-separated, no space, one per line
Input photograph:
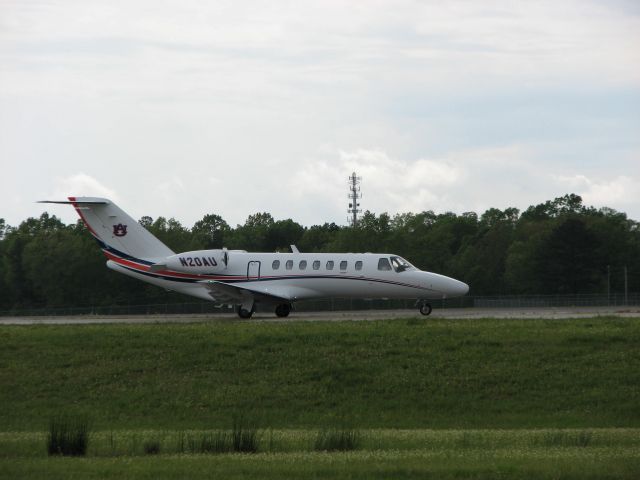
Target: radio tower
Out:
[354,196]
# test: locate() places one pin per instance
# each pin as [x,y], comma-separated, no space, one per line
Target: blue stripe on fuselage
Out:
[124,256]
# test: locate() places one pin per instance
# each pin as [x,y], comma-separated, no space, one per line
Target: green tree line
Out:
[557,247]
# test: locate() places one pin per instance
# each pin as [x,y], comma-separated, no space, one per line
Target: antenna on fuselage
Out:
[354,196]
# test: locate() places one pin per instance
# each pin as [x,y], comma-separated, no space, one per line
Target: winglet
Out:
[294,249]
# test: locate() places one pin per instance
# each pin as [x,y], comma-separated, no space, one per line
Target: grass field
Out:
[427,398]
[609,453]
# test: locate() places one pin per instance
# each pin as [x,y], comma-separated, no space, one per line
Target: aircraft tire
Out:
[283,310]
[425,309]
[244,313]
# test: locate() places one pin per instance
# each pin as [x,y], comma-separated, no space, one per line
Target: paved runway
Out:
[453,313]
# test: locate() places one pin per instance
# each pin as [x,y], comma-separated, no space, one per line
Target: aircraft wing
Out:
[232,294]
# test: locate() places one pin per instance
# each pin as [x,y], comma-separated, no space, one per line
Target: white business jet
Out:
[243,279]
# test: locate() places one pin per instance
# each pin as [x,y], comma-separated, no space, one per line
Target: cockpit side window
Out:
[400,264]
[383,264]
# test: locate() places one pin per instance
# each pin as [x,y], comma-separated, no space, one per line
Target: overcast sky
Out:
[182,108]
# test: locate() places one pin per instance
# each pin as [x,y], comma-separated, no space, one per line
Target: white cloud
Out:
[201,50]
[169,190]
[391,184]
[75,185]
[396,185]
[620,192]
[466,180]
[233,107]
[81,185]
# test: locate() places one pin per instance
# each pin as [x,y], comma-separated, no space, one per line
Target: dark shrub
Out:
[244,435]
[152,447]
[67,436]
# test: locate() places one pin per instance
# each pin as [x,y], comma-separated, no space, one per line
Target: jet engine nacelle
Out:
[201,261]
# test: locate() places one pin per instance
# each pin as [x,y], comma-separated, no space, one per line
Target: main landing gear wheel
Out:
[244,313]
[425,309]
[283,310]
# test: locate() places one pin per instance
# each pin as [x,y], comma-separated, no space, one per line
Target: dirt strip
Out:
[452,313]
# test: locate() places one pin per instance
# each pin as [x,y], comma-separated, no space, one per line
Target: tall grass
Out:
[243,438]
[563,438]
[209,442]
[244,435]
[68,436]
[342,439]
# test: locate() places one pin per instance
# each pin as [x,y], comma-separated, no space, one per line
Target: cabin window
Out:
[330,265]
[302,265]
[275,265]
[359,265]
[343,265]
[316,264]
[289,264]
[383,264]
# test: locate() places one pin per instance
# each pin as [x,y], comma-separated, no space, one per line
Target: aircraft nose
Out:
[455,288]
[459,288]
[447,286]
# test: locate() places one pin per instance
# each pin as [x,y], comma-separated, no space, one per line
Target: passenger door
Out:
[253,270]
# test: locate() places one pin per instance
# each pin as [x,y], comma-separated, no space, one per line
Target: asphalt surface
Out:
[361,315]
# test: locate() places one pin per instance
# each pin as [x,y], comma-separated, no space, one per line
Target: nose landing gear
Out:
[425,309]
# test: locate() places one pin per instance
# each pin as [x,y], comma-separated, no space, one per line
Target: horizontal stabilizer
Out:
[80,202]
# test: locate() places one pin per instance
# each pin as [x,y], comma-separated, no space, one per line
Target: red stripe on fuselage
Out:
[126,263]
[165,273]
[171,274]
[75,205]
[168,274]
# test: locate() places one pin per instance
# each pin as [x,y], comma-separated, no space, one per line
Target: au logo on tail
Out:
[119,230]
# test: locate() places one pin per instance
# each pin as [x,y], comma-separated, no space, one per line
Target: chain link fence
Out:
[341,304]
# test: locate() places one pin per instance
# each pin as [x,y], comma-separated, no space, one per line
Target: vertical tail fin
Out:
[117,232]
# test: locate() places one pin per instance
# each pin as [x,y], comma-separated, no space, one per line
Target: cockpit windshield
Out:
[399,264]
